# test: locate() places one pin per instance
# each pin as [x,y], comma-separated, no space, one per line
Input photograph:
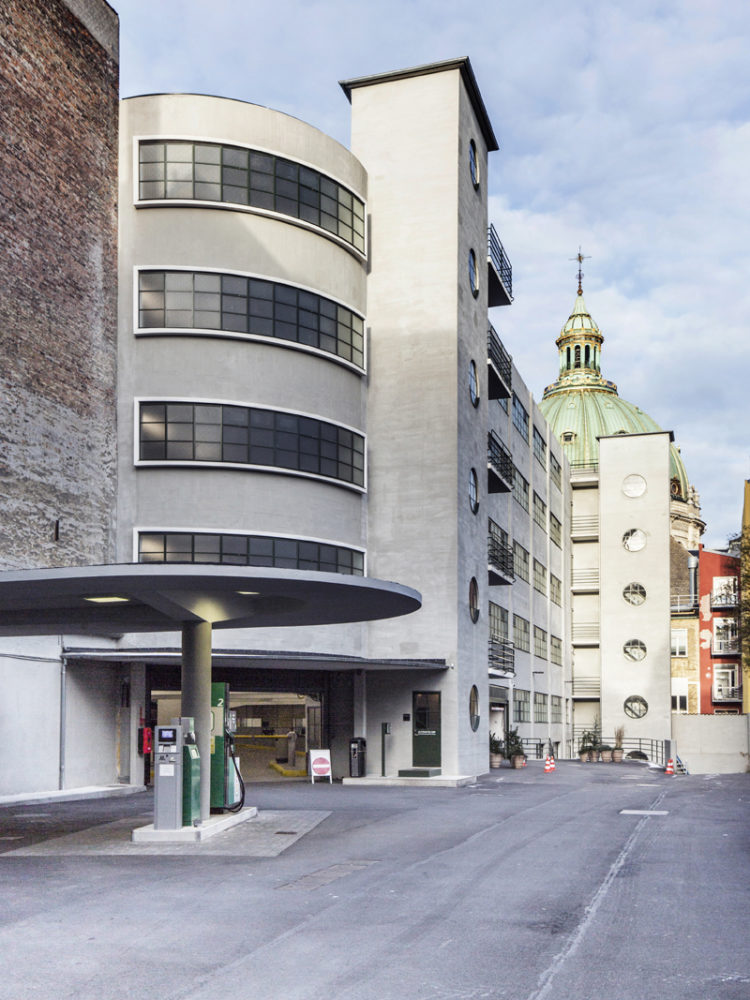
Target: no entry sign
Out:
[320,765]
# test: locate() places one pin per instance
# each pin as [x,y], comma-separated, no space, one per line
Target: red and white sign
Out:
[320,765]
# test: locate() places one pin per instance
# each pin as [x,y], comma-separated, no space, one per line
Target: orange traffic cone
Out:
[547,765]
[552,763]
[670,766]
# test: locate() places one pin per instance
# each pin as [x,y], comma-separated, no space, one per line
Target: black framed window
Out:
[555,471]
[555,530]
[520,489]
[248,550]
[202,300]
[540,448]
[539,508]
[203,171]
[521,634]
[521,562]
[208,432]
[540,643]
[520,418]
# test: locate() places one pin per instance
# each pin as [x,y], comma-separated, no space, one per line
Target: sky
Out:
[624,129]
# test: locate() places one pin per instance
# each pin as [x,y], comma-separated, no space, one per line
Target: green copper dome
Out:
[581,406]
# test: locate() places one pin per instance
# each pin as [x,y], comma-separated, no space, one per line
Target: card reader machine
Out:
[168,742]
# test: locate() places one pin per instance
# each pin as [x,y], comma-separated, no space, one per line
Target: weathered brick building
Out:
[58,247]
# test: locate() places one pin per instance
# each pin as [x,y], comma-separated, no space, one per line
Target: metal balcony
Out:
[499,466]
[499,562]
[585,527]
[501,655]
[586,687]
[721,693]
[585,634]
[585,581]
[499,272]
[584,473]
[725,599]
[499,367]
[683,602]
[722,647]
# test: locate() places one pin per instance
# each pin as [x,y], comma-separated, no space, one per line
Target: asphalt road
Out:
[526,886]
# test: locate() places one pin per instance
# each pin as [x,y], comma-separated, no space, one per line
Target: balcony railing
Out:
[499,367]
[721,693]
[724,599]
[499,466]
[585,634]
[499,561]
[586,687]
[501,655]
[585,526]
[584,472]
[683,602]
[499,270]
[720,647]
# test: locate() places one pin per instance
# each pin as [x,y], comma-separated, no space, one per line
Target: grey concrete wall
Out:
[713,744]
[92,725]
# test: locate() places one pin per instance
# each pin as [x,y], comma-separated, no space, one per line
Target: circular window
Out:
[474,708]
[634,593]
[473,164]
[634,540]
[634,485]
[474,599]
[473,274]
[634,649]
[473,384]
[635,706]
[473,491]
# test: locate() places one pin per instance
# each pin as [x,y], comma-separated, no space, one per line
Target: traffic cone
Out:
[552,763]
[547,765]
[670,766]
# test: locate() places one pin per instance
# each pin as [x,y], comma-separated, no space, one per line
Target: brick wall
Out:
[58,246]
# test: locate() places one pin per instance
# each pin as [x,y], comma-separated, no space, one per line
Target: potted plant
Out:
[617,750]
[496,751]
[605,752]
[587,746]
[514,749]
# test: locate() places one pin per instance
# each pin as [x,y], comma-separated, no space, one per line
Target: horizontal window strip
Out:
[208,432]
[202,300]
[235,175]
[248,550]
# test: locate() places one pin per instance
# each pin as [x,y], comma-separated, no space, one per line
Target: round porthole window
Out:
[474,708]
[473,274]
[473,491]
[473,384]
[473,164]
[474,599]
[634,540]
[634,649]
[634,485]
[634,593]
[635,706]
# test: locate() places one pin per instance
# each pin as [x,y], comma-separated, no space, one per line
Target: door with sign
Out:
[426,729]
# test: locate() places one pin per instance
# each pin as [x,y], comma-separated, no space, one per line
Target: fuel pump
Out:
[227,786]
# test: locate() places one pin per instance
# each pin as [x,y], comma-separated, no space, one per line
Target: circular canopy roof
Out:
[137,597]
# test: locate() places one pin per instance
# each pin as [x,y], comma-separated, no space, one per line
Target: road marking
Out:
[644,812]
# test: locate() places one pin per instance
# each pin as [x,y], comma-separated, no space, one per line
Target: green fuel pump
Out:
[227,787]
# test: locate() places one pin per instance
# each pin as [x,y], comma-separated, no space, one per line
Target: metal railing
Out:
[586,687]
[585,526]
[499,460]
[721,693]
[500,557]
[584,471]
[501,361]
[720,647]
[499,259]
[585,632]
[725,599]
[585,579]
[635,749]
[683,602]
[501,654]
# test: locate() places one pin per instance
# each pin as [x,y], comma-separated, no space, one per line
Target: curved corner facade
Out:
[242,348]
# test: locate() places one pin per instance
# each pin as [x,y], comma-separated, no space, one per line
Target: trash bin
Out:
[357,757]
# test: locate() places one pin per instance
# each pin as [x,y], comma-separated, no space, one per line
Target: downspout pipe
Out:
[693,571]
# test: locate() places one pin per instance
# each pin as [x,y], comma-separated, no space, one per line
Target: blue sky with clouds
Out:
[624,127]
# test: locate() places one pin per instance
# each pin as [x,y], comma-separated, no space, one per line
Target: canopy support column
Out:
[196,698]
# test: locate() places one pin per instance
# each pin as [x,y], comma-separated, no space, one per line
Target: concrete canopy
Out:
[157,598]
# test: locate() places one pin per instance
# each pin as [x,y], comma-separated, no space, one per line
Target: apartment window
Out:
[521,634]
[539,511]
[521,706]
[248,550]
[636,706]
[725,635]
[555,471]
[635,650]
[540,707]
[555,589]
[473,274]
[473,491]
[235,175]
[540,577]
[205,432]
[555,709]
[555,650]
[555,530]
[540,448]
[520,562]
[725,683]
[520,489]
[634,593]
[199,300]
[540,642]
[520,418]
[724,591]
[474,599]
[498,622]
[679,642]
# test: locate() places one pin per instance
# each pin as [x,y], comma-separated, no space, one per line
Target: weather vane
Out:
[580,258]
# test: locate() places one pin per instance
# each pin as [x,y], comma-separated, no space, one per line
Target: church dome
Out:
[581,405]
